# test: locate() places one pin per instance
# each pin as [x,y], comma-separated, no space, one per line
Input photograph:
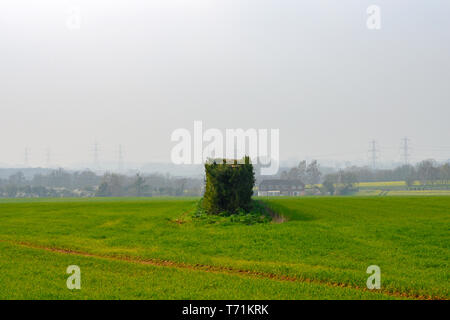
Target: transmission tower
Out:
[120,163]
[47,158]
[25,157]
[405,150]
[96,151]
[373,153]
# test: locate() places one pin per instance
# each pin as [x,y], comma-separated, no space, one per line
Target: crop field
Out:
[385,184]
[374,192]
[155,248]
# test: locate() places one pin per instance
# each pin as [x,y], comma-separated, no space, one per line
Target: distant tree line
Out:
[428,173]
[116,185]
[308,174]
[425,174]
[62,183]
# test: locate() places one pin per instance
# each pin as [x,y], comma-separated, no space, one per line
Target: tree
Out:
[181,183]
[60,178]
[229,187]
[293,174]
[346,181]
[445,173]
[284,175]
[349,180]
[313,173]
[111,186]
[17,179]
[406,173]
[329,182]
[342,182]
[103,190]
[302,171]
[85,179]
[427,171]
[139,185]
[409,181]
[11,191]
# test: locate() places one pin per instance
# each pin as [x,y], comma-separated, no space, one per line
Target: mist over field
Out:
[82,78]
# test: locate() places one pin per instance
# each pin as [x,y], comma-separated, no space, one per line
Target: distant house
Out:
[280,187]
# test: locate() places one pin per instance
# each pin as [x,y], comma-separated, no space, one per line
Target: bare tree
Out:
[313,173]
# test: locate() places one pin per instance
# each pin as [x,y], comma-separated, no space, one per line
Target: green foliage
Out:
[229,187]
[257,213]
[343,182]
[328,184]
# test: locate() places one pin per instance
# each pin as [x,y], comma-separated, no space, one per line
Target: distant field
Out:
[419,193]
[399,188]
[374,192]
[378,184]
[384,184]
[153,249]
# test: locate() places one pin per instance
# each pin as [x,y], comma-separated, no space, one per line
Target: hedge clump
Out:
[229,186]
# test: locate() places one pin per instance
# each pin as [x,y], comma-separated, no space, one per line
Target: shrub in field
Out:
[258,213]
[229,187]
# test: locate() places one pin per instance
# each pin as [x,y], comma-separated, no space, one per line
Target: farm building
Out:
[280,187]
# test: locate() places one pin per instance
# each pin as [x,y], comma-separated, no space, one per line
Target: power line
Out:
[47,158]
[96,152]
[329,155]
[26,157]
[405,150]
[373,153]
[120,164]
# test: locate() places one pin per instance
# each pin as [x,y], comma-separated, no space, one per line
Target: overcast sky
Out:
[137,70]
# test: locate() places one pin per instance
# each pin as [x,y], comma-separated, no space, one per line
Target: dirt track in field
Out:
[223,270]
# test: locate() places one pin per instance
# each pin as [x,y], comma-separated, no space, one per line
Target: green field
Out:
[375,192]
[154,249]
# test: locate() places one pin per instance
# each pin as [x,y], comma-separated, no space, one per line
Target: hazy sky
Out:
[137,70]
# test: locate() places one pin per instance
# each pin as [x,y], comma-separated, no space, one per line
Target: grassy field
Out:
[154,249]
[375,192]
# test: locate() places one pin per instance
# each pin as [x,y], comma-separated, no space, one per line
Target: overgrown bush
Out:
[258,213]
[229,187]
